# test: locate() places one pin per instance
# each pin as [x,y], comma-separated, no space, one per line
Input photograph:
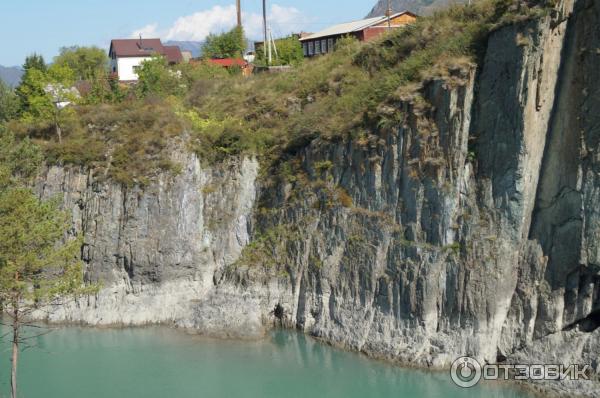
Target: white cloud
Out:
[147,31]
[196,27]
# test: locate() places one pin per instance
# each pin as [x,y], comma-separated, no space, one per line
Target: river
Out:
[165,363]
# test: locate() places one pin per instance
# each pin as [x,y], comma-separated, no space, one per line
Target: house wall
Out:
[125,67]
[324,45]
[374,32]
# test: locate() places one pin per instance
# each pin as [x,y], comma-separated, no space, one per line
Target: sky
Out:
[43,26]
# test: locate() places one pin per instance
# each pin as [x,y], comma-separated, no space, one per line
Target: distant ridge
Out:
[419,7]
[11,75]
[195,47]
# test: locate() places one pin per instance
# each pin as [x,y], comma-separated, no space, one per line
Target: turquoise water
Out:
[163,363]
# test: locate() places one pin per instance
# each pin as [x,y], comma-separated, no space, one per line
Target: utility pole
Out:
[389,14]
[274,44]
[266,37]
[270,38]
[239,13]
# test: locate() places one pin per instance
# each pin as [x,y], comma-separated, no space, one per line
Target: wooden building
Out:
[364,30]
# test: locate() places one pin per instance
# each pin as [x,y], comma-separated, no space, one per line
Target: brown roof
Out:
[136,47]
[144,48]
[173,54]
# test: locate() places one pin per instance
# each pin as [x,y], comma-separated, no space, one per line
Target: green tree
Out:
[87,63]
[19,160]
[37,266]
[44,95]
[9,103]
[34,67]
[35,61]
[230,44]
[36,269]
[156,78]
[289,52]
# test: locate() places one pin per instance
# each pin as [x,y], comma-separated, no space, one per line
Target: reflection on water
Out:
[160,363]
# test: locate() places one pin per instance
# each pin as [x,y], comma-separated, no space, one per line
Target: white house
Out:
[126,56]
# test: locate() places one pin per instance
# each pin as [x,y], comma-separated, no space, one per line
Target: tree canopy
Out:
[35,61]
[36,97]
[230,44]
[38,263]
[87,63]
[289,52]
[9,103]
[155,77]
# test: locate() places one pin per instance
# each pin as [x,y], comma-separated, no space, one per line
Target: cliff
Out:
[419,7]
[469,225]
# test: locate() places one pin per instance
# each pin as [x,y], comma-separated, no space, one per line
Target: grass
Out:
[347,94]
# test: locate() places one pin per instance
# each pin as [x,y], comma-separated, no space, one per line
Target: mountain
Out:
[195,47]
[11,75]
[419,7]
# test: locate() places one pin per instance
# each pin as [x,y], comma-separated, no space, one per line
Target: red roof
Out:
[144,48]
[228,62]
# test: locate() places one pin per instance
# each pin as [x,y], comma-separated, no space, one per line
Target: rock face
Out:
[419,7]
[155,252]
[470,227]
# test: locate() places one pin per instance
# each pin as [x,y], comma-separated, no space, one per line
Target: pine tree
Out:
[38,264]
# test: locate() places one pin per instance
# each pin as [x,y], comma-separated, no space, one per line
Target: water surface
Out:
[163,363]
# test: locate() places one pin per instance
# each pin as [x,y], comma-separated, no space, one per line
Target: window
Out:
[330,44]
[324,46]
[305,49]
[311,48]
[318,47]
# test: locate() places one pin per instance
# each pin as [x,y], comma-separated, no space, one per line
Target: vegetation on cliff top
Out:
[125,133]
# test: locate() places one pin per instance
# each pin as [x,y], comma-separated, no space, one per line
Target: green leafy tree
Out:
[44,95]
[230,44]
[9,103]
[289,52]
[87,63]
[156,78]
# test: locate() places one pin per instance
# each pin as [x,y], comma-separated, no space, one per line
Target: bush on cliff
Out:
[345,93]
